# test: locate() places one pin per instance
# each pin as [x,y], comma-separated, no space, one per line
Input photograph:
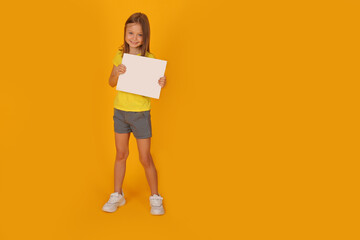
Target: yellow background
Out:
[255,136]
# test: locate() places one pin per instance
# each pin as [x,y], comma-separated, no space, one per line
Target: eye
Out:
[140,35]
[130,32]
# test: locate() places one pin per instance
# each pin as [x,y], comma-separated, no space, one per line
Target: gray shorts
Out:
[137,122]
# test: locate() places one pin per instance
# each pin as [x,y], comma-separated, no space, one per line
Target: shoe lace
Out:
[113,199]
[156,200]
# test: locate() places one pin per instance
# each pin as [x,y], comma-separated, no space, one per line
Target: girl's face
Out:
[134,35]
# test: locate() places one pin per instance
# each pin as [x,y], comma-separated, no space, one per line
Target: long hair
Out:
[142,19]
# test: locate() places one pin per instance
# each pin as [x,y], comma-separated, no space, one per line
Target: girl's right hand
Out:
[121,69]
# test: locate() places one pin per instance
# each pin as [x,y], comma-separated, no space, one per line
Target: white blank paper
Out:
[141,76]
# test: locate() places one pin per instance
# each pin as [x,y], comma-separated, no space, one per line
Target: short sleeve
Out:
[118,58]
[150,55]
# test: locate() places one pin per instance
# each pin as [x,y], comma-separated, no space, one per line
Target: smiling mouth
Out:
[134,42]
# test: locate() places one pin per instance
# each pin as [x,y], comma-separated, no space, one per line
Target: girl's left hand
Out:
[162,81]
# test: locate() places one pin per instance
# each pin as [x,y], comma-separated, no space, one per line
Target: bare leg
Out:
[148,164]
[122,152]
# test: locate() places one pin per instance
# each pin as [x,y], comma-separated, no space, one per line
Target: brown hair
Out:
[142,19]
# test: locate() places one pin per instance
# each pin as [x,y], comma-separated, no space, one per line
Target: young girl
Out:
[132,114]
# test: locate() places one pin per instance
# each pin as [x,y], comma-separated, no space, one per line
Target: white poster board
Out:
[141,76]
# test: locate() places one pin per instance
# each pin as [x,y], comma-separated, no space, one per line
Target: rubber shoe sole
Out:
[157,210]
[119,204]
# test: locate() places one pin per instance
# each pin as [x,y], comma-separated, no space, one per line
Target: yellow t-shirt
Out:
[128,101]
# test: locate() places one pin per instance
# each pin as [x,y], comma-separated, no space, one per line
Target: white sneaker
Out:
[116,200]
[156,205]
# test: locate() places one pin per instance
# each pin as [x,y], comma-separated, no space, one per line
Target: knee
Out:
[121,155]
[146,160]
